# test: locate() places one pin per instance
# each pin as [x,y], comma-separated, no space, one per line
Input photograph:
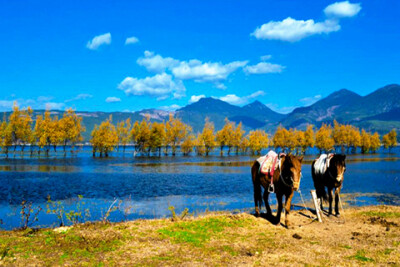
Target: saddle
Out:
[268,164]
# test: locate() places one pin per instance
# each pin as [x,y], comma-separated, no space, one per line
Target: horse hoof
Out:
[338,215]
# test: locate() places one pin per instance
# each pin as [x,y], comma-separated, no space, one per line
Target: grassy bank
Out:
[368,235]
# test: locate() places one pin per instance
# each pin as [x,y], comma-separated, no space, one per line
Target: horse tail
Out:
[318,183]
[256,186]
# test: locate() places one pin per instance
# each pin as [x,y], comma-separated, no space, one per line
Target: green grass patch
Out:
[381,214]
[387,251]
[360,256]
[200,231]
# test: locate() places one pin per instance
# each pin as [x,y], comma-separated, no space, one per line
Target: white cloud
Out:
[156,63]
[193,69]
[161,86]
[292,30]
[220,86]
[172,107]
[205,72]
[310,100]
[131,40]
[236,100]
[265,58]
[6,105]
[195,98]
[342,9]
[113,99]
[97,41]
[263,67]
[54,105]
[79,97]
[44,98]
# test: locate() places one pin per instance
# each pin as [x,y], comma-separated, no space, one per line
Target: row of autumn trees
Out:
[47,132]
[159,138]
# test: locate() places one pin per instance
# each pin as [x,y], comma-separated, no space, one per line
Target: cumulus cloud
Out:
[172,107]
[293,30]
[113,99]
[131,40]
[236,100]
[263,67]
[310,100]
[97,41]
[161,86]
[79,97]
[195,98]
[265,58]
[54,105]
[342,9]
[156,63]
[205,72]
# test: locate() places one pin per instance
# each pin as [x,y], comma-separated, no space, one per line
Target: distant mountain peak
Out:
[343,93]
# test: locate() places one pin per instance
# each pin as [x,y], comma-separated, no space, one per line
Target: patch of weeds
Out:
[314,242]
[346,247]
[387,251]
[381,214]
[230,250]
[198,232]
[396,243]
[360,256]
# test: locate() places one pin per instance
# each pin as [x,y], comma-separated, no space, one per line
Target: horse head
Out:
[338,166]
[291,170]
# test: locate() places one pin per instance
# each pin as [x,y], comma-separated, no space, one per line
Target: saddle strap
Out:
[273,170]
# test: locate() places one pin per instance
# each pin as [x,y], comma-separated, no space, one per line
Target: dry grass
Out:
[370,235]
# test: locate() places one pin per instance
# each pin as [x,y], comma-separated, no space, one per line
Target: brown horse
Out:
[286,180]
[332,178]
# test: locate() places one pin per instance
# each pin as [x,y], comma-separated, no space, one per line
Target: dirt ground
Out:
[361,236]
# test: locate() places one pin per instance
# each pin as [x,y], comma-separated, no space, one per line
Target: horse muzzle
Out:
[296,185]
[339,178]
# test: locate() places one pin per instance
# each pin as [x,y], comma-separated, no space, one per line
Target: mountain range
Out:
[378,111]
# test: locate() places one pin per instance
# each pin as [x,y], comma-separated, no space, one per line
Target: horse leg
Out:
[288,203]
[337,192]
[330,200]
[280,207]
[257,198]
[266,194]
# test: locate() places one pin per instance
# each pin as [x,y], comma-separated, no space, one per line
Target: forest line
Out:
[48,132]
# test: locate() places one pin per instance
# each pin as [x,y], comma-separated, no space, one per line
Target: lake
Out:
[144,187]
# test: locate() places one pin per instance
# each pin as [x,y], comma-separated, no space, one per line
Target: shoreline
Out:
[363,235]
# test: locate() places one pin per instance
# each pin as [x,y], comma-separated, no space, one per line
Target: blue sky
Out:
[131,55]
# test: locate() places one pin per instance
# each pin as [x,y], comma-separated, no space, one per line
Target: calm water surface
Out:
[145,187]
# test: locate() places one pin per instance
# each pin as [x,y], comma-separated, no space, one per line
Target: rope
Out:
[340,201]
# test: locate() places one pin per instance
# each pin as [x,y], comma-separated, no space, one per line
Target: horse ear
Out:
[301,158]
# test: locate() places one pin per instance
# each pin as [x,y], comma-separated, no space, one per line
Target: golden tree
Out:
[323,139]
[244,144]
[71,129]
[340,135]
[353,138]
[207,136]
[365,141]
[199,145]
[20,122]
[309,138]
[157,137]
[140,134]
[389,140]
[188,143]
[43,131]
[56,133]
[375,142]
[5,137]
[238,135]
[176,131]
[123,130]
[298,138]
[104,137]
[281,138]
[258,140]
[225,136]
